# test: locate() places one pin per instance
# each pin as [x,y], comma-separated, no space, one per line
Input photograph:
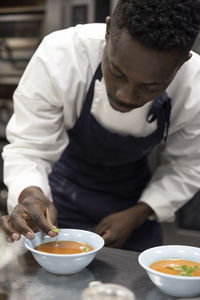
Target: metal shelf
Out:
[22,9]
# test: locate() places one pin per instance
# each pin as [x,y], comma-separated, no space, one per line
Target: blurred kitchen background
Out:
[23,23]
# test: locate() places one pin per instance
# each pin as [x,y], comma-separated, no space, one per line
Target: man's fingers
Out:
[27,218]
[52,219]
[10,240]
[105,232]
[6,225]
[42,222]
[16,236]
[51,215]
[30,216]
[101,228]
[106,235]
[19,222]
[108,239]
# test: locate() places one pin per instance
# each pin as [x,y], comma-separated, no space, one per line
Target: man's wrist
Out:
[145,209]
[142,211]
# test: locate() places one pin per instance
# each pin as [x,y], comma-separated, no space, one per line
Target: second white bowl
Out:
[178,286]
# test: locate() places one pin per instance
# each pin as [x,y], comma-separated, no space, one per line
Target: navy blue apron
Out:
[101,172]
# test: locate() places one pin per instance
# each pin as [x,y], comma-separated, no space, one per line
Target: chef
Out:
[92,104]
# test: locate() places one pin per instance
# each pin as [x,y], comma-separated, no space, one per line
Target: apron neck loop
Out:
[90,94]
[162,102]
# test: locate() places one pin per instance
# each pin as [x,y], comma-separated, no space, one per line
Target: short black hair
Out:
[162,25]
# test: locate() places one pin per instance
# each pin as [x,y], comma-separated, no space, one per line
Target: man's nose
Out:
[127,94]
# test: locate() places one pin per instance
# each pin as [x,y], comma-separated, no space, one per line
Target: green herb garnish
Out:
[185,270]
[55,229]
[85,249]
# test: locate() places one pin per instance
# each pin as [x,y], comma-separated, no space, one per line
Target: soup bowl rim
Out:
[150,270]
[66,255]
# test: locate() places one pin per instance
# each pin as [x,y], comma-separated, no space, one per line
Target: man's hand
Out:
[34,212]
[116,228]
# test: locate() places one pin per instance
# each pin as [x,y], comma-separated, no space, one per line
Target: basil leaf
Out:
[55,229]
[185,270]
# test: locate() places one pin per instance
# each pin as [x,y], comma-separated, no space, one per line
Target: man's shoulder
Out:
[191,67]
[194,62]
[188,75]
[84,33]
[81,42]
[185,88]
[80,47]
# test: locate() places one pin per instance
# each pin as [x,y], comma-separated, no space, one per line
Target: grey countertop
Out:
[24,279]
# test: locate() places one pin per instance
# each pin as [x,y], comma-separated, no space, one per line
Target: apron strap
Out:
[90,94]
[162,102]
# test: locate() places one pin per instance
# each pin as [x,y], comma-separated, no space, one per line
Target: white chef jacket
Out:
[48,101]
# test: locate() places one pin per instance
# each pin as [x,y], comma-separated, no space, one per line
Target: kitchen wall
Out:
[21,30]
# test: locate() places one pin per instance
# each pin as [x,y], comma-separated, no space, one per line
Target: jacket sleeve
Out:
[177,176]
[45,106]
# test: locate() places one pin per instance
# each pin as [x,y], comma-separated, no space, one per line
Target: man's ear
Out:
[188,56]
[107,28]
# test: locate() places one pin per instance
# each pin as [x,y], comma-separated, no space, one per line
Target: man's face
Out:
[135,75]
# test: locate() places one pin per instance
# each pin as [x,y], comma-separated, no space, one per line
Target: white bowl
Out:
[178,286]
[65,263]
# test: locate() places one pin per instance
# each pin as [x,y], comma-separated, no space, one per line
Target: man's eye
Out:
[116,74]
[150,91]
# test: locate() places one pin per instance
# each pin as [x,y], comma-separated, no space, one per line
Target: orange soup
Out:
[64,247]
[177,267]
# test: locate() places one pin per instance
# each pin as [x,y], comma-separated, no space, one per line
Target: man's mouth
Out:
[120,106]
